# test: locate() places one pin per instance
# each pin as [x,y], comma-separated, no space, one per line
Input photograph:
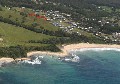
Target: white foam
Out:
[67,59]
[96,49]
[76,59]
[35,61]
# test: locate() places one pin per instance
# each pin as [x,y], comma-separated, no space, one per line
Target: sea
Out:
[96,66]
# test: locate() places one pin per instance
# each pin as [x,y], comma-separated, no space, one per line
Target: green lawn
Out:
[13,35]
[14,15]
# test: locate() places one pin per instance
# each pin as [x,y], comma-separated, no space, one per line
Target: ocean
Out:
[96,66]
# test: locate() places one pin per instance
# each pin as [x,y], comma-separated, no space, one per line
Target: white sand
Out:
[67,48]
[22,58]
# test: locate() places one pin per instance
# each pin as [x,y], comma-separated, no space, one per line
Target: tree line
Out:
[21,51]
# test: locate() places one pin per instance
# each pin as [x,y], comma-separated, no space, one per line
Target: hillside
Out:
[21,31]
[13,35]
[105,2]
[80,2]
[16,32]
[27,26]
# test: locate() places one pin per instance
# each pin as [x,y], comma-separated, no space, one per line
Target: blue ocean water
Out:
[95,67]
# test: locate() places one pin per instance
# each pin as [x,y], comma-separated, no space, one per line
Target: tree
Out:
[9,16]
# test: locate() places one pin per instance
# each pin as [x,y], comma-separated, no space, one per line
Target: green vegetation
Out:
[22,16]
[16,34]
[16,30]
[15,41]
[13,35]
[21,29]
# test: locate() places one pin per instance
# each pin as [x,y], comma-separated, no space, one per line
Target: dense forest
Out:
[22,3]
[114,3]
[29,3]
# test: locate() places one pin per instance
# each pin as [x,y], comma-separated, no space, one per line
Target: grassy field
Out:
[13,35]
[14,15]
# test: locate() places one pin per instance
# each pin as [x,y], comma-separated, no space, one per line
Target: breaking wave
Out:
[96,49]
[36,60]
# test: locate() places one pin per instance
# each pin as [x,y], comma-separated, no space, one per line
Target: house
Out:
[116,35]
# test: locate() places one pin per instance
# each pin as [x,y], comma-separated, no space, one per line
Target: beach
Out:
[64,51]
[66,48]
[95,66]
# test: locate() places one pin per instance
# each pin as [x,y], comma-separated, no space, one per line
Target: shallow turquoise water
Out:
[95,67]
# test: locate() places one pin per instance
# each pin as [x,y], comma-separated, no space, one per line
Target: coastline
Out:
[5,60]
[66,48]
[64,51]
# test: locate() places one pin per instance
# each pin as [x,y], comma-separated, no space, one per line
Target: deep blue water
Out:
[95,67]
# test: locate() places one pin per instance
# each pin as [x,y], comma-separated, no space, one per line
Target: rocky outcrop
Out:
[4,60]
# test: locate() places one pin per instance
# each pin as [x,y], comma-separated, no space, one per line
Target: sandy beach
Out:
[64,51]
[66,48]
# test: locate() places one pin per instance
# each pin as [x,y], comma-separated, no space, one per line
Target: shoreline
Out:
[65,51]
[66,48]
[5,60]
